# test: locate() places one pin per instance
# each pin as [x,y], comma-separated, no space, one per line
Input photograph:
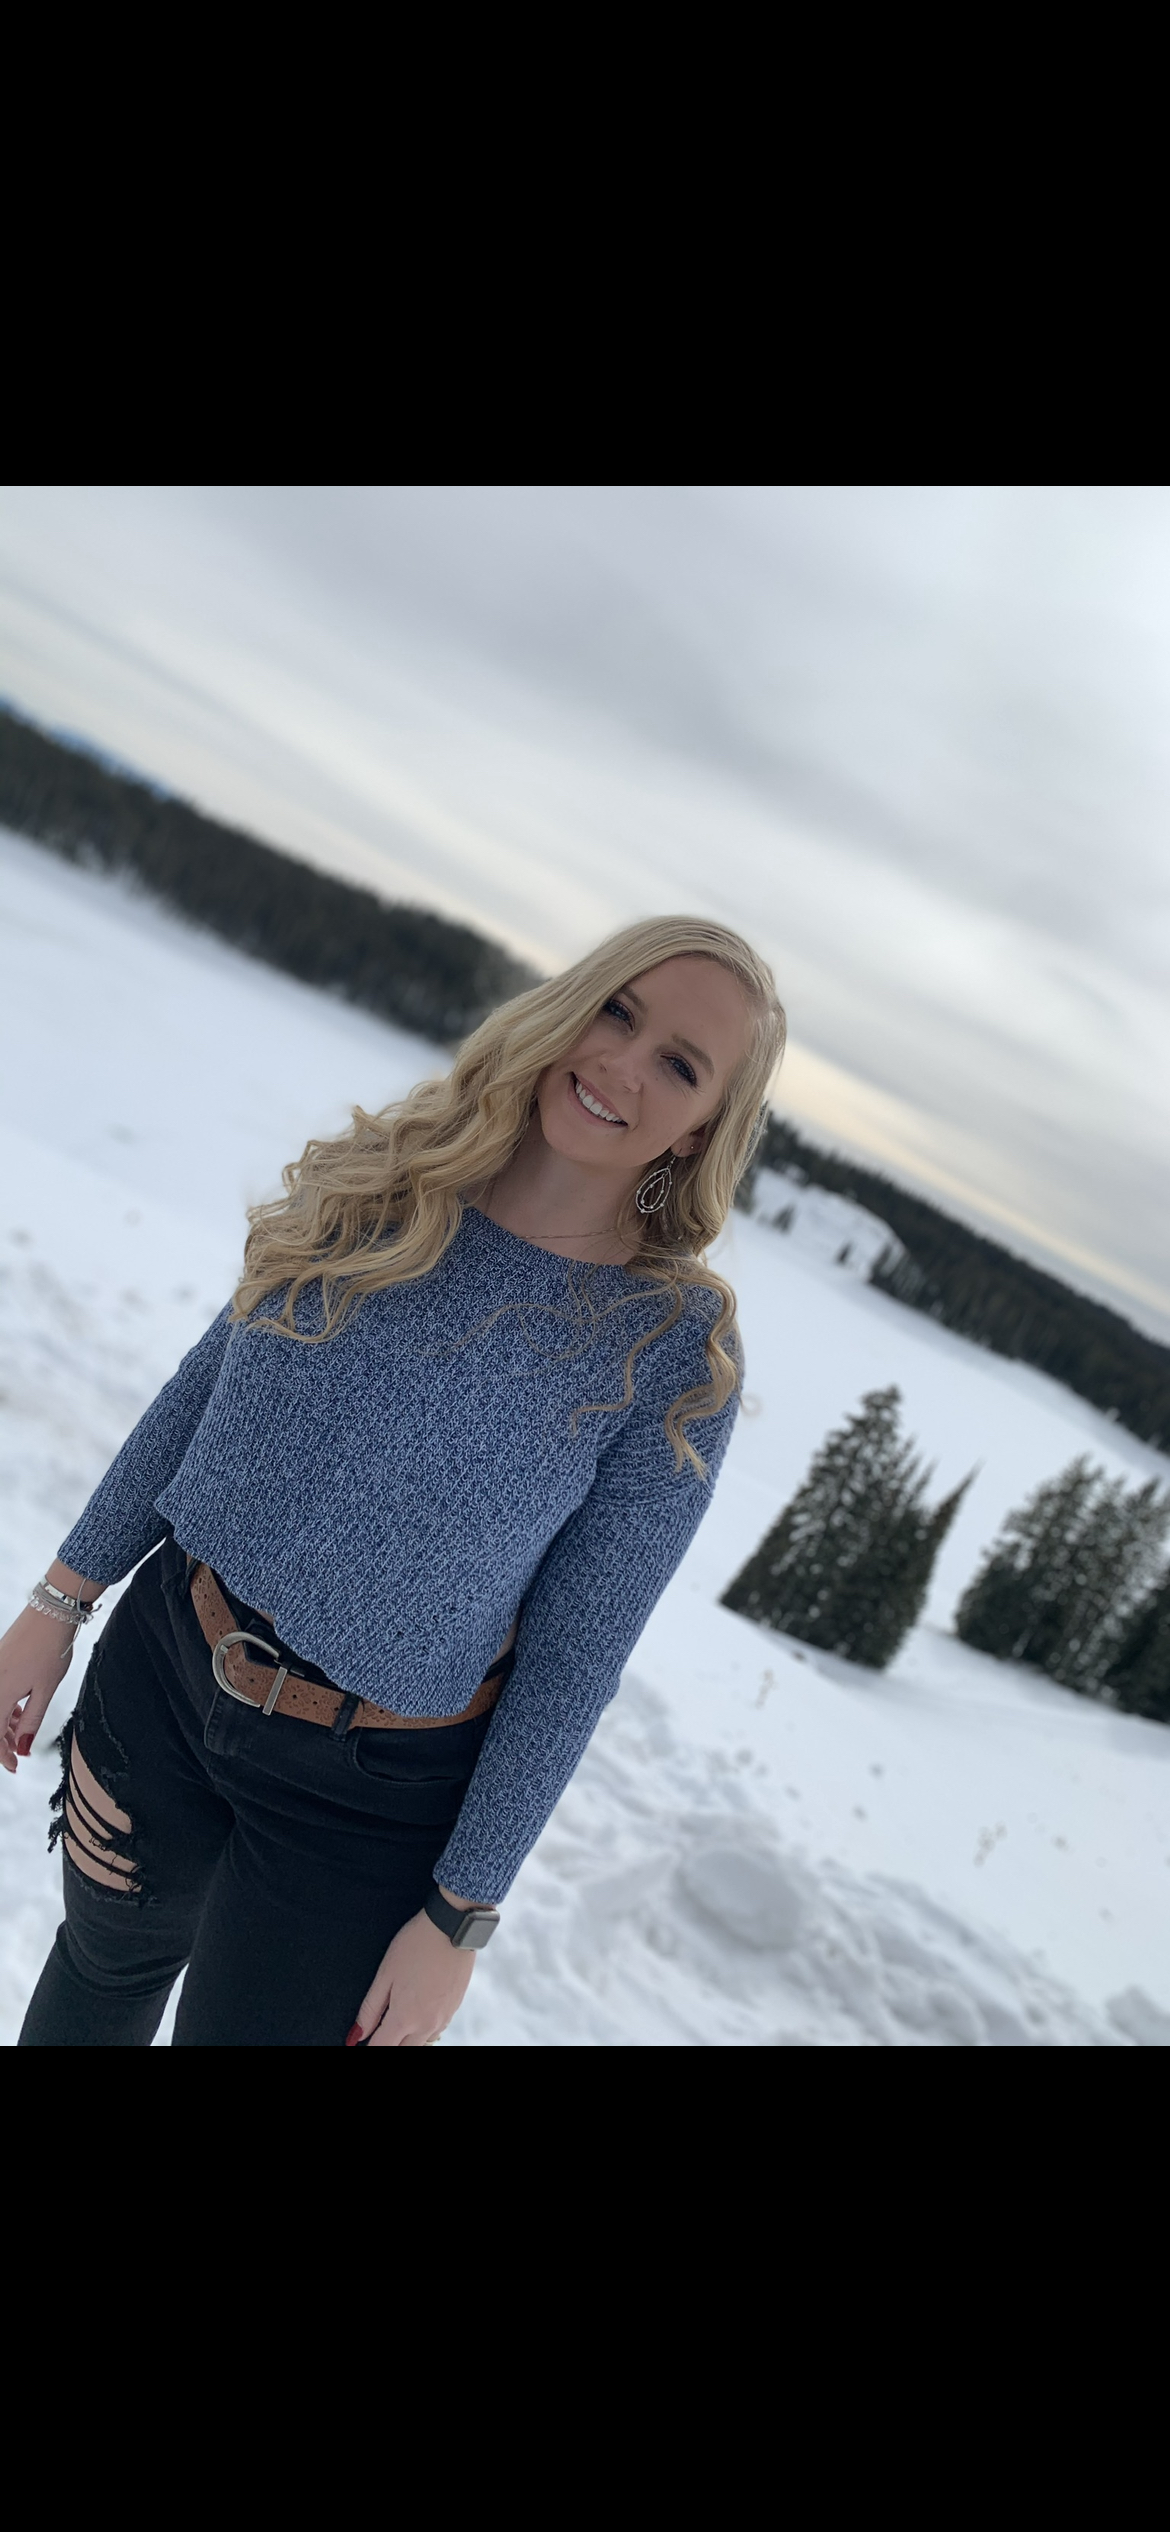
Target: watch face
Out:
[478,1927]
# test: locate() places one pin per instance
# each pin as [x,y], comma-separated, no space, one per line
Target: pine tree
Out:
[1058,1586]
[848,1563]
[1118,1554]
[1139,1679]
[1005,1604]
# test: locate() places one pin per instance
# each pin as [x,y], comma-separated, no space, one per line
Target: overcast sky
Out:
[914,742]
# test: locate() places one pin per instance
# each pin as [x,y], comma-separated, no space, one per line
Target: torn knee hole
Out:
[97,1801]
[97,1834]
[112,1876]
[95,1857]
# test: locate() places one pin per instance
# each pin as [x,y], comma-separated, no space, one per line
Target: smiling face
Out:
[649,1072]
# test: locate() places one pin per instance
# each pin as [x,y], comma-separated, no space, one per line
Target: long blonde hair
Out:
[380,1204]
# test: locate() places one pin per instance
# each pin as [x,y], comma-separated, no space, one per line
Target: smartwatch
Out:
[468,1929]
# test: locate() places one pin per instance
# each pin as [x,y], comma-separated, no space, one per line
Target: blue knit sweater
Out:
[395,1495]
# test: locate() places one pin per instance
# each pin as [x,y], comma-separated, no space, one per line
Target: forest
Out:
[412,967]
[987,1293]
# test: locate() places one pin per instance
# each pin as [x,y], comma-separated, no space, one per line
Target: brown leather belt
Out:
[277,1688]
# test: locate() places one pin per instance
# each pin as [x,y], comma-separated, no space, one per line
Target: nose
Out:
[622,1072]
[623,1062]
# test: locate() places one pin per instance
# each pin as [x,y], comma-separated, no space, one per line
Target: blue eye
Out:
[677,1062]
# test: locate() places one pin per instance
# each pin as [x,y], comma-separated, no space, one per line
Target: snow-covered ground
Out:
[764,1845]
[831,1229]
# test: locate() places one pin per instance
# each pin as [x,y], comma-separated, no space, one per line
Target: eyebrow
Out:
[686,1043]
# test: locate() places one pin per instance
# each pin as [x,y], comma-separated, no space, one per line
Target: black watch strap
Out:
[467,1928]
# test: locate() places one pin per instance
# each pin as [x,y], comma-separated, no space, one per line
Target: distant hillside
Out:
[414,968]
[982,1291]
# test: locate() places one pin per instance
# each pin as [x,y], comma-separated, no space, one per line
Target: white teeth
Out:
[594,1105]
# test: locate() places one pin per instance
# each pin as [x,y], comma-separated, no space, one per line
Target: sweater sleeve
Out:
[120,1525]
[595,1589]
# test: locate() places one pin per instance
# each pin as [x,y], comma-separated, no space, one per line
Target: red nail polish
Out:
[24,1745]
[353,2036]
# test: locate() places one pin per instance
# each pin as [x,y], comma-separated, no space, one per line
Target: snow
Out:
[764,1846]
[832,1229]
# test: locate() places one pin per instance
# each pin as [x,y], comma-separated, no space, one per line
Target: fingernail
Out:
[24,1745]
[353,2036]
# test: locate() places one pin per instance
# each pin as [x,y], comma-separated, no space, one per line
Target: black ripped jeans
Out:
[272,1858]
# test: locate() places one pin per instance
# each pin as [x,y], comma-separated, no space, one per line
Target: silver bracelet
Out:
[58,1604]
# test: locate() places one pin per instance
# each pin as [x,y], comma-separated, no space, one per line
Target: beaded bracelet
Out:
[58,1604]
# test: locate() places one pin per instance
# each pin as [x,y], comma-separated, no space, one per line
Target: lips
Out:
[592,1102]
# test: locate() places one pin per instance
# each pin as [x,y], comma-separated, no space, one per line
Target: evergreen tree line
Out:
[411,967]
[1074,1584]
[983,1292]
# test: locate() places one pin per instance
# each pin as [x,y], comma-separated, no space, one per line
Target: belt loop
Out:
[344,1715]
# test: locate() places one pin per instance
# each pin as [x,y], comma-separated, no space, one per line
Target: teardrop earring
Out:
[655,1188]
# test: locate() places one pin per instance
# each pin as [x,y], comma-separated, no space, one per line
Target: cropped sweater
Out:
[457,1454]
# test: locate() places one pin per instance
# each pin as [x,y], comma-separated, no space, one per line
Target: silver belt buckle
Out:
[241,1636]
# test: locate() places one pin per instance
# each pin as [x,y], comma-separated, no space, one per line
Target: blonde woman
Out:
[399,1519]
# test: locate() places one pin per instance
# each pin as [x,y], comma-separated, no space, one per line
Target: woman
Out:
[404,1510]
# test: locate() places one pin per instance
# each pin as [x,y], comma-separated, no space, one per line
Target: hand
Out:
[34,1657]
[417,1991]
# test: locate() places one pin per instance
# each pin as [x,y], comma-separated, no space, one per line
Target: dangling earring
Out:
[655,1188]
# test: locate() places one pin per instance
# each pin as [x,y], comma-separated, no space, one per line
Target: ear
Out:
[690,1144]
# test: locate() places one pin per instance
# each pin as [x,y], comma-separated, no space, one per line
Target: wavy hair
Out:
[381,1203]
